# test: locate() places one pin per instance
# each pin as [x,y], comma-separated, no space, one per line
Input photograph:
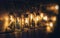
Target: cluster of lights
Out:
[33,20]
[27,21]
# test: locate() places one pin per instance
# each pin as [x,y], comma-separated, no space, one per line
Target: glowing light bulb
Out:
[41,15]
[45,18]
[48,29]
[53,18]
[51,24]
[11,18]
[26,20]
[53,7]
[37,18]
[56,7]
[31,16]
[22,21]
[6,23]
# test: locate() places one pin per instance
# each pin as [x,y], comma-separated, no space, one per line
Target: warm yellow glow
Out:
[45,18]
[53,8]
[31,16]
[51,24]
[32,20]
[53,18]
[6,22]
[37,18]
[41,15]
[56,7]
[48,29]
[22,21]
[11,18]
[27,20]
[6,18]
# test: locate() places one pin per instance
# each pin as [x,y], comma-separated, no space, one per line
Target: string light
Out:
[23,20]
[35,19]
[53,8]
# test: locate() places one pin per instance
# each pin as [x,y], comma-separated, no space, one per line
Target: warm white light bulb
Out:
[51,24]
[48,29]
[56,7]
[41,15]
[45,18]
